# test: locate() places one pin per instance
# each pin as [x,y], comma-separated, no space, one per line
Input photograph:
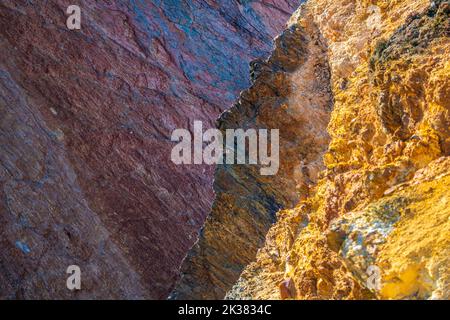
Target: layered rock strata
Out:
[85,126]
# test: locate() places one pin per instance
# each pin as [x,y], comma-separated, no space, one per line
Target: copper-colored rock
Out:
[287,289]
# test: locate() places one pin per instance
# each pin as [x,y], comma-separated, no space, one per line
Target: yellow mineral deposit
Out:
[383,198]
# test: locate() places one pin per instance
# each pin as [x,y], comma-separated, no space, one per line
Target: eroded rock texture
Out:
[360,93]
[382,200]
[85,125]
[291,90]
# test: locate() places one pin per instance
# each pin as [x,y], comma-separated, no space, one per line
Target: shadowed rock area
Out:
[290,92]
[85,123]
[376,225]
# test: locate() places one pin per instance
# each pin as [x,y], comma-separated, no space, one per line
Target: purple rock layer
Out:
[86,118]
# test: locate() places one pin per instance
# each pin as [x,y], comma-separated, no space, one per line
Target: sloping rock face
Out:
[376,225]
[291,90]
[364,193]
[86,118]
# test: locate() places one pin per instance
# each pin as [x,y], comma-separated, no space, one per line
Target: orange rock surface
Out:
[376,224]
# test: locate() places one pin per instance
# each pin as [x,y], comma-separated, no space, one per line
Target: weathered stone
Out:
[292,93]
[382,201]
[86,120]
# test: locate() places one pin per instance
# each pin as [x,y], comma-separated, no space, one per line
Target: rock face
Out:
[291,90]
[364,188]
[86,118]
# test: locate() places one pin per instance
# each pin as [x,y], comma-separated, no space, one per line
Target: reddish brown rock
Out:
[85,125]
